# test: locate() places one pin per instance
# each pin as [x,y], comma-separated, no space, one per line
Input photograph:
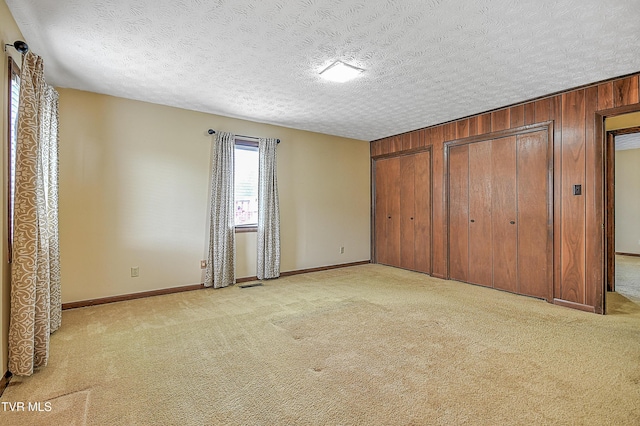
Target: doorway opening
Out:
[622,206]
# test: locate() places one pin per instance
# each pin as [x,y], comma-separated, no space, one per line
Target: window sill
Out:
[246,228]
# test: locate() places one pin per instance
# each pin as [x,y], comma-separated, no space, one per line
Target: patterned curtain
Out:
[220,270]
[35,272]
[268,212]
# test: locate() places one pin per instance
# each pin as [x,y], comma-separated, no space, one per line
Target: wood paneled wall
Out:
[578,159]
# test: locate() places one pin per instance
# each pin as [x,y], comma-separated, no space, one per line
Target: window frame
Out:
[13,71]
[253,144]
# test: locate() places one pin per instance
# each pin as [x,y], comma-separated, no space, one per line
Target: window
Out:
[14,97]
[246,185]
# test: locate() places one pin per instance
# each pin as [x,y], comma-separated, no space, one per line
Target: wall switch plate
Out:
[577,189]
[203,264]
[135,271]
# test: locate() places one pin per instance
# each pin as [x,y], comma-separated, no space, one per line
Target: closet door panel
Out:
[533,216]
[422,222]
[458,157]
[393,209]
[381,181]
[480,239]
[407,211]
[504,218]
[388,211]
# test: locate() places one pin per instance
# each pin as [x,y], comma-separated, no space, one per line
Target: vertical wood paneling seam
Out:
[557,184]
[443,209]
[430,207]
[372,196]
[557,112]
[598,207]
[592,241]
[575,114]
[517,221]
[468,213]
[446,208]
[492,230]
[591,105]
[550,212]
[591,190]
[584,204]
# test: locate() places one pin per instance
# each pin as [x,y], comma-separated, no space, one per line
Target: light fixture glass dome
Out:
[340,72]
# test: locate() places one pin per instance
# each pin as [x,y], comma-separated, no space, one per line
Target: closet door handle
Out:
[411,218]
[389,217]
[513,222]
[472,220]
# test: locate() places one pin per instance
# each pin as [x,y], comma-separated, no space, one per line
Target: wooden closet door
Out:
[422,214]
[480,190]
[458,159]
[387,215]
[504,214]
[380,215]
[407,211]
[534,242]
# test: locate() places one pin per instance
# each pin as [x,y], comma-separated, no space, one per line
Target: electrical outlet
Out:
[135,271]
[203,264]
[341,250]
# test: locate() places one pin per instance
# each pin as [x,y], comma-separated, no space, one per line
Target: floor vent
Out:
[250,285]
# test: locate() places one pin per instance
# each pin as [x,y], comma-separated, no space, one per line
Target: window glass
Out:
[246,184]
[14,98]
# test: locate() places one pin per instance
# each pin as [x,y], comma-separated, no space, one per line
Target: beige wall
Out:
[628,201]
[9,33]
[134,186]
[622,121]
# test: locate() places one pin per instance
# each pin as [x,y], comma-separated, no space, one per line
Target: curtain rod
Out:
[211,132]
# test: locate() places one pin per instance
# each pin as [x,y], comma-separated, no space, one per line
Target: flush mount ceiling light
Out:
[340,72]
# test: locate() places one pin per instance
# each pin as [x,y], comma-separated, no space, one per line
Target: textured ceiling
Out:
[426,61]
[628,141]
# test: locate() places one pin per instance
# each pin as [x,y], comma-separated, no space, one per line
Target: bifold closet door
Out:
[503,213]
[387,214]
[480,226]
[534,239]
[458,157]
[407,212]
[422,211]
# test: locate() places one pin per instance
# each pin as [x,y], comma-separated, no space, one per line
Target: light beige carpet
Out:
[367,345]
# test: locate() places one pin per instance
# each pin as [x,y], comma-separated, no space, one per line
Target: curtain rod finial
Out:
[211,131]
[19,45]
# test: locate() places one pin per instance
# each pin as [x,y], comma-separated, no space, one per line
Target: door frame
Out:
[609,211]
[605,175]
[610,203]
